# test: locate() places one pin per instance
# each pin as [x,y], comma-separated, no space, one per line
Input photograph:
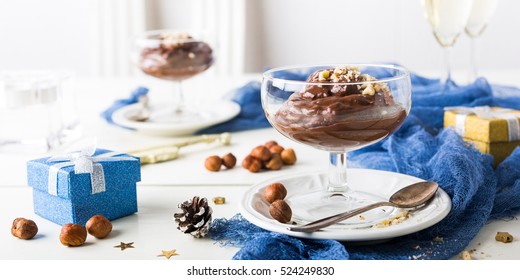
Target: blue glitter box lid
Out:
[74,198]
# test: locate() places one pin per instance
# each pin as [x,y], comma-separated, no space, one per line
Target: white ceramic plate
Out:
[255,208]
[213,113]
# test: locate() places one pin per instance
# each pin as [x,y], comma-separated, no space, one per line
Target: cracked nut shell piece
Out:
[73,235]
[280,211]
[24,228]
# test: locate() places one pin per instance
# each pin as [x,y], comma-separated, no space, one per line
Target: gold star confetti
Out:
[125,245]
[168,254]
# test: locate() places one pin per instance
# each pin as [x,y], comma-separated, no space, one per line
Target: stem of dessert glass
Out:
[446,80]
[474,66]
[338,172]
[178,98]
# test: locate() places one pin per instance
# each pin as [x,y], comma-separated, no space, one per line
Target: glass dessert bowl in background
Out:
[338,108]
[173,56]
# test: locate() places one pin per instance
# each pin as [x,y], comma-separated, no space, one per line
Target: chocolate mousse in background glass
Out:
[338,109]
[175,56]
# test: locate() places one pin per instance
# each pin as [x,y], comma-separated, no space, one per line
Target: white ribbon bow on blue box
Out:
[83,161]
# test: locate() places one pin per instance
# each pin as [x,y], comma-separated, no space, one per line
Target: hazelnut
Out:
[24,228]
[271,143]
[73,235]
[280,211]
[261,153]
[99,226]
[276,149]
[274,192]
[213,163]
[275,163]
[229,160]
[288,156]
[252,164]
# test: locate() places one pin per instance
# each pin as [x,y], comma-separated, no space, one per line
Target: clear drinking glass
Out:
[339,108]
[481,14]
[447,19]
[174,56]
[38,110]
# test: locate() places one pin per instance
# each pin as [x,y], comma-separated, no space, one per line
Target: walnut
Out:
[504,237]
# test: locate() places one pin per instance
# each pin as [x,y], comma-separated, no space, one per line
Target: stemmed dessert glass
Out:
[481,13]
[173,56]
[337,109]
[447,19]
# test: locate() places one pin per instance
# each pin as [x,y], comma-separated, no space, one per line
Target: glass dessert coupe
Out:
[337,109]
[173,56]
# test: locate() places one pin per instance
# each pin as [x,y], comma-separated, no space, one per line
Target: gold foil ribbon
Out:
[169,152]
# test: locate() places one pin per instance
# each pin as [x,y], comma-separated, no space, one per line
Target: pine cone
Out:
[195,218]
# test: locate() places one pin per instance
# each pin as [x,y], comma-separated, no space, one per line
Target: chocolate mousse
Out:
[177,56]
[340,109]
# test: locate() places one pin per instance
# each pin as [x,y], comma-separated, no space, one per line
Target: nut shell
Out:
[288,156]
[274,192]
[280,211]
[213,163]
[24,228]
[229,160]
[275,163]
[252,164]
[276,149]
[73,235]
[261,152]
[271,143]
[99,226]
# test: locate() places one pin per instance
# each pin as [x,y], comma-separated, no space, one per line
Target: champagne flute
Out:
[448,19]
[481,13]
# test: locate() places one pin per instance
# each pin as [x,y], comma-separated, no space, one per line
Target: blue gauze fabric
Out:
[251,114]
[133,98]
[421,148]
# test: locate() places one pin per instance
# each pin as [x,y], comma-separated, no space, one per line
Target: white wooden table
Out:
[165,185]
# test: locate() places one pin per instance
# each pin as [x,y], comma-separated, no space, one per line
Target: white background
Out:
[90,37]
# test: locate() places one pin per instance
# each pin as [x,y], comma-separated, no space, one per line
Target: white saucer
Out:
[255,208]
[212,113]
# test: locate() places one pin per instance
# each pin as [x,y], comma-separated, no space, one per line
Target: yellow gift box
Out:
[492,130]
[499,150]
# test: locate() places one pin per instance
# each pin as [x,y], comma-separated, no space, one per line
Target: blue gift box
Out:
[106,186]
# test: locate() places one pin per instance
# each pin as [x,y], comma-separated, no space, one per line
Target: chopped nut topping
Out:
[438,239]
[340,70]
[504,237]
[348,74]
[369,90]
[173,39]
[399,218]
[324,75]
[465,255]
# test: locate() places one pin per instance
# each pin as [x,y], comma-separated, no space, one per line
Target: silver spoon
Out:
[143,114]
[408,197]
